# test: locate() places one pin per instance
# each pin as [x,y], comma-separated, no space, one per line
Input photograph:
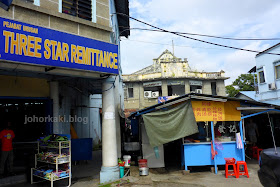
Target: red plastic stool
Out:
[245,172]
[256,152]
[230,162]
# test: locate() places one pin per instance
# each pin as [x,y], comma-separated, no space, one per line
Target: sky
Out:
[232,18]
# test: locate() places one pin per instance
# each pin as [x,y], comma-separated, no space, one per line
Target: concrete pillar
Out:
[164,88]
[109,170]
[187,87]
[54,94]
[141,96]
[206,87]
[220,85]
[117,99]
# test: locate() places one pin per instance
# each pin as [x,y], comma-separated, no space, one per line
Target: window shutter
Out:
[78,8]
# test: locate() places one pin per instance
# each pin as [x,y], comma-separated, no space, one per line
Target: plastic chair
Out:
[245,172]
[230,162]
[256,152]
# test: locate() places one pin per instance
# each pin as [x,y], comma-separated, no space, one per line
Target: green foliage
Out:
[231,91]
[244,82]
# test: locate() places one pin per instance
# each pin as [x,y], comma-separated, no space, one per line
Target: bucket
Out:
[121,171]
[143,171]
[142,163]
[126,159]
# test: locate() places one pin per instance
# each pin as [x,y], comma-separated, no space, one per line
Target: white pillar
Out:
[54,94]
[110,170]
[117,96]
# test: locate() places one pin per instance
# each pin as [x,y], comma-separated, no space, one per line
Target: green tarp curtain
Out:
[166,126]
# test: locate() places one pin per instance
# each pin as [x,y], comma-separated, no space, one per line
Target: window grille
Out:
[78,8]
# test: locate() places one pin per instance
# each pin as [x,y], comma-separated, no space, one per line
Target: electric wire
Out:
[176,45]
[113,85]
[191,38]
[205,35]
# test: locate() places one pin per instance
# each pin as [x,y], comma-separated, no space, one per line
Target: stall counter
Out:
[199,154]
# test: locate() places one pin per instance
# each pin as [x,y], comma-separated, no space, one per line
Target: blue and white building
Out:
[268,77]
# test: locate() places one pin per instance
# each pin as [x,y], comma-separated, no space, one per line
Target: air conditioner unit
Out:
[147,94]
[199,91]
[155,94]
[272,86]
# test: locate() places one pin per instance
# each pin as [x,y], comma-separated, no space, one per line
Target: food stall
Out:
[222,123]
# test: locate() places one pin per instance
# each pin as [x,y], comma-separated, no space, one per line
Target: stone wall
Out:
[47,15]
[139,102]
[206,87]
[221,90]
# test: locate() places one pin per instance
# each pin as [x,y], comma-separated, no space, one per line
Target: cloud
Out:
[237,18]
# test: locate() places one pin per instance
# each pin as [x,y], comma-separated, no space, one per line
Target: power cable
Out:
[175,45]
[203,41]
[205,35]
[113,85]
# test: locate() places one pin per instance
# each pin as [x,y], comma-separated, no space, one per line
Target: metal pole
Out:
[243,125]
[241,135]
[213,141]
[272,134]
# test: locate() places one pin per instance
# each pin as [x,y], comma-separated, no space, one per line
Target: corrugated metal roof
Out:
[250,94]
[247,102]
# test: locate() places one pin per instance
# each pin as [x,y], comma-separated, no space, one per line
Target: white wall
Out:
[95,121]
[266,62]
[74,98]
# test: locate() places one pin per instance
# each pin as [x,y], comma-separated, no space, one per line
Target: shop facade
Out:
[202,130]
[53,56]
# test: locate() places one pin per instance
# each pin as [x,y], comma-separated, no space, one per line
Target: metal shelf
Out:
[59,178]
[57,148]
[53,162]
[54,147]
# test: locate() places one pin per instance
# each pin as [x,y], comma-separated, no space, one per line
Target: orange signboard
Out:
[216,111]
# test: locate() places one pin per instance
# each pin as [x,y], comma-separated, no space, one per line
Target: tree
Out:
[231,91]
[244,82]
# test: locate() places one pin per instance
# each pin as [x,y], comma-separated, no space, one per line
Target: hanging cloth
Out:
[213,152]
[169,125]
[238,141]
